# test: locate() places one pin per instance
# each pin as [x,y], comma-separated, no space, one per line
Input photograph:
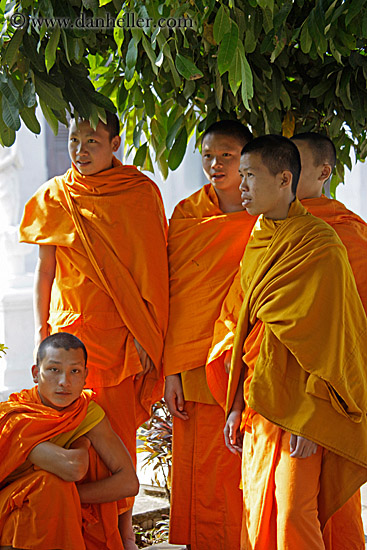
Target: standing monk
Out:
[102,275]
[207,236]
[298,384]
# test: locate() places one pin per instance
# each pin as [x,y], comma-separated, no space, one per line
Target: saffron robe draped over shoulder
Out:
[310,377]
[36,507]
[205,246]
[111,281]
[352,231]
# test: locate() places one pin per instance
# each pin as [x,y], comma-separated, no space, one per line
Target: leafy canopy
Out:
[279,66]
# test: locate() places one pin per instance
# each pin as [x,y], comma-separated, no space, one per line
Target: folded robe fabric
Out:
[310,377]
[205,246]
[352,231]
[111,281]
[24,423]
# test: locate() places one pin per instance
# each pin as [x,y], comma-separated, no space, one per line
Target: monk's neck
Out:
[229,202]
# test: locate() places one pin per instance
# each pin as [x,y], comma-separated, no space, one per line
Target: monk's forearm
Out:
[239,402]
[119,485]
[44,277]
[68,464]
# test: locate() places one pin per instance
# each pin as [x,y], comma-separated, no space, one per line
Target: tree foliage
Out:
[279,66]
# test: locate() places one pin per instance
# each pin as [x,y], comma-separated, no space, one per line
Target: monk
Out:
[102,275]
[300,391]
[51,437]
[207,236]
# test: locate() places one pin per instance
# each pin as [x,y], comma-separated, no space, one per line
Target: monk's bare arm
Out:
[232,434]
[44,277]
[173,396]
[145,360]
[123,482]
[68,464]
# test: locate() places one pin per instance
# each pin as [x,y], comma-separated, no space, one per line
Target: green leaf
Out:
[140,156]
[187,68]
[9,90]
[7,135]
[103,2]
[320,89]
[235,73]
[50,51]
[172,132]
[267,19]
[178,150]
[50,117]
[118,31]
[137,133]
[222,24]
[354,9]
[247,90]
[227,49]
[50,95]
[29,118]
[12,49]
[150,53]
[10,114]
[149,103]
[132,54]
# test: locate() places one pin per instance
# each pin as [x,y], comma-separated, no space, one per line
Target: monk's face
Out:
[312,175]
[91,150]
[221,156]
[263,192]
[60,377]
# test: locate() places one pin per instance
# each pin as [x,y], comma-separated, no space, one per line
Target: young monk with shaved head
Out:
[102,275]
[297,393]
[207,236]
[55,491]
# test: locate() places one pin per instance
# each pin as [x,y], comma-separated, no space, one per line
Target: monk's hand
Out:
[232,434]
[173,396]
[145,360]
[300,447]
[227,360]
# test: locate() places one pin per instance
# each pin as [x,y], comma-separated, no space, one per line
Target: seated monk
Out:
[300,394]
[63,467]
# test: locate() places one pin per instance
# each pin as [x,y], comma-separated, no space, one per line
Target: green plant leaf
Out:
[50,51]
[29,118]
[50,117]
[49,94]
[227,49]
[7,135]
[178,150]
[187,68]
[10,114]
[172,132]
[247,90]
[140,156]
[12,49]
[222,24]
[132,54]
[235,72]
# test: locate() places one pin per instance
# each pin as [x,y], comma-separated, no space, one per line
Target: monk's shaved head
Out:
[112,124]
[322,148]
[60,340]
[231,128]
[278,153]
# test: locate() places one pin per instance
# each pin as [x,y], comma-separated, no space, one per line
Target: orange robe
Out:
[111,281]
[39,510]
[204,247]
[345,525]
[286,288]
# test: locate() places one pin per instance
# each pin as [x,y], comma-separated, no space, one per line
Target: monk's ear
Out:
[116,142]
[326,172]
[285,178]
[35,373]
